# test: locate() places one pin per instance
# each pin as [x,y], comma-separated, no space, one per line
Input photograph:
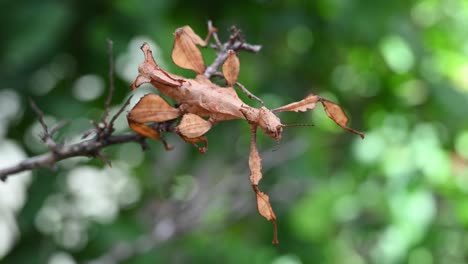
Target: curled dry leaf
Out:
[185,52]
[305,104]
[153,108]
[231,68]
[193,126]
[337,114]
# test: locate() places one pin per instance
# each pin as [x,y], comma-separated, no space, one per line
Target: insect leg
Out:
[151,108]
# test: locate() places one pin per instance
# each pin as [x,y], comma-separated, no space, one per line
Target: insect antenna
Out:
[298,125]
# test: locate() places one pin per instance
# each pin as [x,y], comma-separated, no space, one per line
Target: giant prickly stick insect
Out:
[202,104]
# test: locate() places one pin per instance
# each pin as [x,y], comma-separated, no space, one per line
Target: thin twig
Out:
[110,45]
[120,110]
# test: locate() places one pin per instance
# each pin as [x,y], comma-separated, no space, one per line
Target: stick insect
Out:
[202,104]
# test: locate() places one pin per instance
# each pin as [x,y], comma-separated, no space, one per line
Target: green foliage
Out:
[399,69]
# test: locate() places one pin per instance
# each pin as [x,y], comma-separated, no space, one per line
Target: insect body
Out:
[202,104]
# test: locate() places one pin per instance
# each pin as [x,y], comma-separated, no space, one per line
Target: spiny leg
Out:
[263,201]
[333,111]
[192,128]
[151,108]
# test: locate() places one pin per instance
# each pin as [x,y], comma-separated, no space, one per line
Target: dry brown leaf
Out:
[153,108]
[193,126]
[337,114]
[305,104]
[185,53]
[231,68]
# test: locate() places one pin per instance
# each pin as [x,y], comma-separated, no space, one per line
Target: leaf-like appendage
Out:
[195,142]
[195,38]
[263,201]
[144,130]
[185,53]
[231,68]
[153,108]
[255,163]
[193,126]
[337,114]
[305,104]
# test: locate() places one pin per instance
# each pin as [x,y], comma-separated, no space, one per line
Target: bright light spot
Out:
[397,162]
[128,62]
[371,150]
[184,187]
[42,82]
[428,155]
[414,212]
[92,194]
[88,87]
[61,258]
[13,191]
[461,144]
[131,154]
[300,39]
[49,219]
[91,188]
[10,109]
[391,246]
[74,235]
[164,229]
[413,92]
[346,208]
[461,77]
[287,259]
[420,255]
[426,13]
[46,78]
[8,232]
[397,53]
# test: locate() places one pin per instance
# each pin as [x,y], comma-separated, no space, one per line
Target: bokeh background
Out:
[399,69]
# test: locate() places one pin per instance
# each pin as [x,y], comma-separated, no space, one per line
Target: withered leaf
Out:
[193,126]
[231,68]
[305,104]
[337,114]
[153,108]
[185,53]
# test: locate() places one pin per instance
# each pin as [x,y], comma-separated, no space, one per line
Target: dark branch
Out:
[87,148]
